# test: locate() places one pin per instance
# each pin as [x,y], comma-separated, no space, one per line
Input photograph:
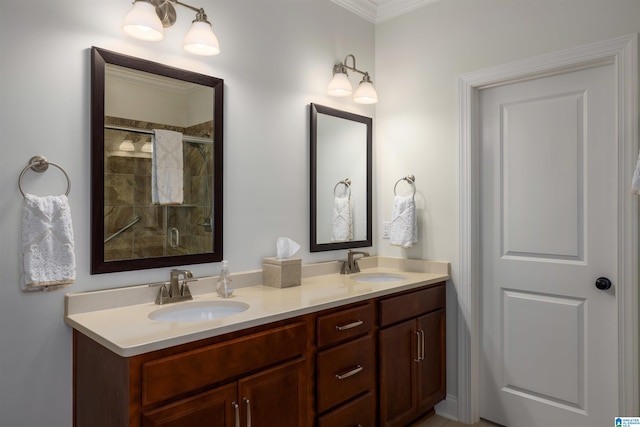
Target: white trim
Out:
[628,297]
[448,408]
[469,271]
[377,11]
[622,52]
[364,9]
[152,81]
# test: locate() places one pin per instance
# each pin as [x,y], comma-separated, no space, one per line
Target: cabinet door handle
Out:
[349,325]
[350,373]
[420,333]
[419,346]
[236,408]
[246,402]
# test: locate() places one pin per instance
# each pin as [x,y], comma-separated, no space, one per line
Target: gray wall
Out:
[277,57]
[419,57]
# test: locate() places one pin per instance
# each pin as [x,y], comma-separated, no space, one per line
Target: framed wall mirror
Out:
[341,182]
[134,103]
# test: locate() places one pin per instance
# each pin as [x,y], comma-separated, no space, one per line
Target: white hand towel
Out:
[167,186]
[48,259]
[342,223]
[404,223]
[635,182]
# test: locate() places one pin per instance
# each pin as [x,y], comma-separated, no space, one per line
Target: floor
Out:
[438,421]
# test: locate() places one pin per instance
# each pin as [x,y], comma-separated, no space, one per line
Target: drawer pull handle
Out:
[349,326]
[350,373]
[236,408]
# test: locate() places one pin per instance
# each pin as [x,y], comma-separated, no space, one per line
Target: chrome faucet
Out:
[351,264]
[176,292]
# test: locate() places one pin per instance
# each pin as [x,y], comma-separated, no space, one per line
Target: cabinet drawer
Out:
[336,327]
[359,412]
[402,307]
[345,371]
[174,375]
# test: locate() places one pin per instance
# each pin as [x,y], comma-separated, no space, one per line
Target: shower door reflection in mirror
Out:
[134,226]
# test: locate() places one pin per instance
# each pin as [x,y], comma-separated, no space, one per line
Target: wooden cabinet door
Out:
[212,408]
[398,365]
[431,375]
[276,397]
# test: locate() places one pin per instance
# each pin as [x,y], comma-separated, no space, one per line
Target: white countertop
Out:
[128,331]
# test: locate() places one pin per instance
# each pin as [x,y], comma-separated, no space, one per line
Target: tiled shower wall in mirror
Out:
[127,195]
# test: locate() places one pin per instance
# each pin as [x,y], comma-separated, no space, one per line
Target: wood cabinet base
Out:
[375,362]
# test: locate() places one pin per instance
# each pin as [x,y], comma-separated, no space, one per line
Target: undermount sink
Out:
[378,277]
[197,311]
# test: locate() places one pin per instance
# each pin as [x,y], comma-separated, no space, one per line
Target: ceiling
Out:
[381,10]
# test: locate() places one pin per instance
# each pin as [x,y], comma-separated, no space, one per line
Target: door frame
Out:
[622,53]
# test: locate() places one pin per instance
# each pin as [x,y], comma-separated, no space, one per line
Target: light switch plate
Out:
[385,229]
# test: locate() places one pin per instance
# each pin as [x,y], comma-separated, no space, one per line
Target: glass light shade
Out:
[126,145]
[339,85]
[201,40]
[143,23]
[365,94]
[147,147]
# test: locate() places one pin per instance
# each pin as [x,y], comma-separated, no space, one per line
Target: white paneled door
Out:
[549,227]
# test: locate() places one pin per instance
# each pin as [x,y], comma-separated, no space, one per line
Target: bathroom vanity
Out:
[334,351]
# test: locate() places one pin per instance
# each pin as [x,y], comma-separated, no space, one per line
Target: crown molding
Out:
[381,10]
[149,80]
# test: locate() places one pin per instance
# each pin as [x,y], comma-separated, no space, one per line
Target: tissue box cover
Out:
[281,273]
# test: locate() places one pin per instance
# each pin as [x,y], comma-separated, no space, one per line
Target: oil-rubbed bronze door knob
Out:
[603,283]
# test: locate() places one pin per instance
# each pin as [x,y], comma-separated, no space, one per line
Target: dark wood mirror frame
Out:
[316,246]
[99,58]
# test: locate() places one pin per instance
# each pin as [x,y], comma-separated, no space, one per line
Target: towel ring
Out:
[347,183]
[40,164]
[411,180]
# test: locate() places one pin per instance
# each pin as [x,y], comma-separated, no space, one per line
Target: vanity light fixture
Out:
[148,19]
[341,86]
[126,145]
[147,147]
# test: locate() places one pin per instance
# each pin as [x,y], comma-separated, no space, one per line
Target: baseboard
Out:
[448,408]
